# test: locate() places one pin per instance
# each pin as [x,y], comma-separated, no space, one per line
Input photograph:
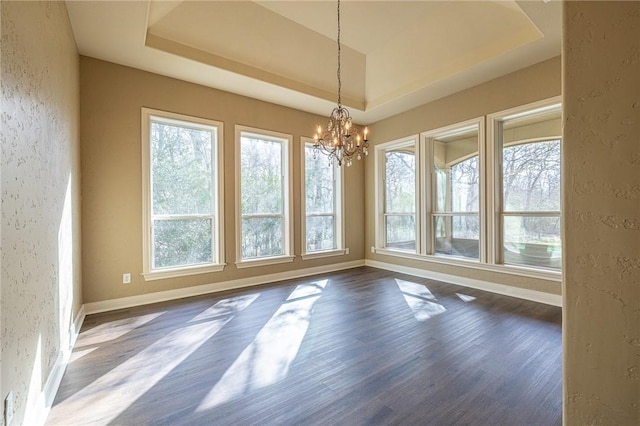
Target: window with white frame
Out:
[322,207]
[499,211]
[528,145]
[397,195]
[263,197]
[453,219]
[182,183]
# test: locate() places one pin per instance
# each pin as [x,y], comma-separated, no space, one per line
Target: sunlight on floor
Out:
[112,330]
[136,375]
[420,300]
[465,297]
[267,359]
[77,354]
[226,307]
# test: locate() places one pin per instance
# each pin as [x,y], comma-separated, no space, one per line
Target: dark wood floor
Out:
[356,347]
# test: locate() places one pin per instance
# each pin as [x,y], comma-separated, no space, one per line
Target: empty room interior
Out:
[320,212]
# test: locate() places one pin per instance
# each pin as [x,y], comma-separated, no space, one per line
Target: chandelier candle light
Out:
[340,141]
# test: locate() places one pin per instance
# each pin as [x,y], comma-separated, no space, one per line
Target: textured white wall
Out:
[601,90]
[40,196]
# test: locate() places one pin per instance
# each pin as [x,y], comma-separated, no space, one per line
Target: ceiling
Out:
[396,55]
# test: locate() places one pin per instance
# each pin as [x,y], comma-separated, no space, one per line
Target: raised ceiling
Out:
[395,54]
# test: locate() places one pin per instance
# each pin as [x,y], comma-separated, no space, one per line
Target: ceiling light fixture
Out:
[340,141]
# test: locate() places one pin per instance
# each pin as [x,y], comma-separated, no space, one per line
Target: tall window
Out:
[531,186]
[455,218]
[398,198]
[322,205]
[263,196]
[182,203]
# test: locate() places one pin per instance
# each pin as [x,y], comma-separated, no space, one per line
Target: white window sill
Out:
[162,274]
[325,253]
[264,261]
[475,264]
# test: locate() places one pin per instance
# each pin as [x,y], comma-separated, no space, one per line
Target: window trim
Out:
[426,139]
[287,193]
[495,146]
[217,213]
[338,208]
[380,186]
[489,197]
[473,265]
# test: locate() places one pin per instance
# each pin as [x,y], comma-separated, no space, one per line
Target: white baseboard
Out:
[38,412]
[162,296]
[521,293]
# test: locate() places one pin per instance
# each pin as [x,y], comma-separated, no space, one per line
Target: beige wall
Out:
[540,81]
[601,89]
[41,291]
[111,98]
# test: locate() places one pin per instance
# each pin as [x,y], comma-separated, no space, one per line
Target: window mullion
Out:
[430,198]
[541,213]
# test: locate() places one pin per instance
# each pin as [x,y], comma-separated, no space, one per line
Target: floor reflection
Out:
[421,301]
[112,330]
[267,359]
[465,297]
[112,393]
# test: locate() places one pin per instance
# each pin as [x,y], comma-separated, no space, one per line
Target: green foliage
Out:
[532,182]
[181,184]
[262,237]
[400,184]
[465,185]
[319,184]
[261,176]
[320,203]
[400,229]
[400,196]
[181,242]
[531,176]
[181,170]
[320,233]
[261,197]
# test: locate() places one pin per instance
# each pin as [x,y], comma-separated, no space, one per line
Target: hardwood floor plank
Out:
[358,347]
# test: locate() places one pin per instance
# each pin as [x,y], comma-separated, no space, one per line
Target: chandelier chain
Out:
[339,51]
[340,140]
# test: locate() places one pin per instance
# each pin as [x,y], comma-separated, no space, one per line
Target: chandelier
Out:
[340,141]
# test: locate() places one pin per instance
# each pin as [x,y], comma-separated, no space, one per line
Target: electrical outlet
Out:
[126,278]
[373,249]
[8,409]
[346,251]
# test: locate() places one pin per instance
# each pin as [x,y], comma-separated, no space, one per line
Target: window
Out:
[530,186]
[397,196]
[263,197]
[454,219]
[183,226]
[452,199]
[322,208]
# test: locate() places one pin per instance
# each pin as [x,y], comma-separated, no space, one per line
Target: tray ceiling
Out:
[395,54]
